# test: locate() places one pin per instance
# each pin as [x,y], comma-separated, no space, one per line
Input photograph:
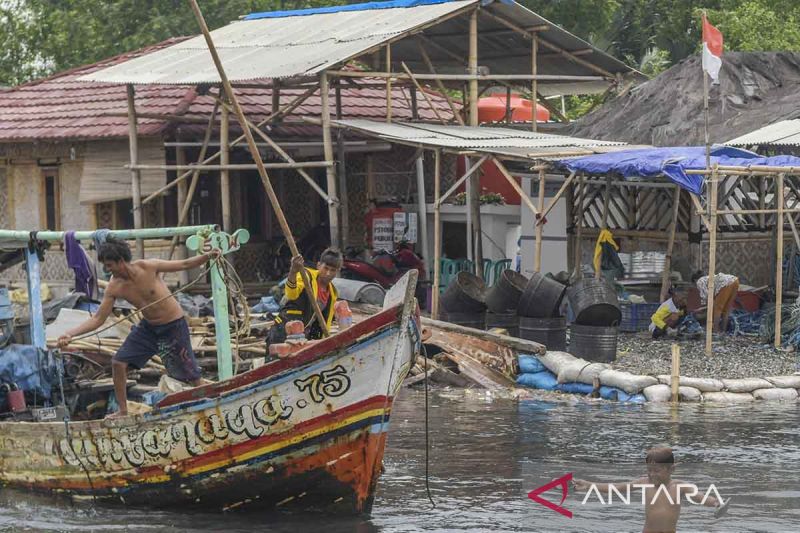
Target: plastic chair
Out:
[448,271]
[499,267]
[488,272]
[465,265]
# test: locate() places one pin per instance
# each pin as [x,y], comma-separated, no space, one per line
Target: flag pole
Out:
[705,113]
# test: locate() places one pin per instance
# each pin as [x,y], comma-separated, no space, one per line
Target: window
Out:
[50,213]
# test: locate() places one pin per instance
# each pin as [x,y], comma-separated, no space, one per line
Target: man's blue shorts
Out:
[169,341]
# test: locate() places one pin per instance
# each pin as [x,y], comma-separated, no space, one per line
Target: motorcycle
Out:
[384,268]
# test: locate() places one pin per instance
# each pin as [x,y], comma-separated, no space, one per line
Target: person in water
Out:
[298,305]
[663,494]
[163,331]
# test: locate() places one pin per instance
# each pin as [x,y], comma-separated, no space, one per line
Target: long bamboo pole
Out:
[665,275]
[286,109]
[136,177]
[327,147]
[437,233]
[539,227]
[475,180]
[122,234]
[511,181]
[424,94]
[461,77]
[224,173]
[557,196]
[427,59]
[712,261]
[388,83]
[187,202]
[534,82]
[262,172]
[604,223]
[471,170]
[579,225]
[779,199]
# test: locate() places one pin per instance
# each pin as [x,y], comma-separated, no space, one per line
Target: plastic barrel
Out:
[505,294]
[593,343]
[541,298]
[508,321]
[466,294]
[594,303]
[470,320]
[551,332]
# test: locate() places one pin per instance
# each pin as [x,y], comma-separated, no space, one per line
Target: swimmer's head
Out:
[660,464]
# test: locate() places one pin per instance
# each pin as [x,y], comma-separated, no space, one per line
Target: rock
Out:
[657,393]
[728,397]
[785,382]
[689,394]
[746,384]
[775,394]
[630,383]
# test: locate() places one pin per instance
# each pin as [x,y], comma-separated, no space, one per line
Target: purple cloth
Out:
[79,262]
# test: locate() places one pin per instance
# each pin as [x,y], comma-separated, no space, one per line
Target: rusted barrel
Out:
[466,294]
[594,303]
[470,320]
[508,321]
[541,298]
[505,294]
[552,332]
[593,343]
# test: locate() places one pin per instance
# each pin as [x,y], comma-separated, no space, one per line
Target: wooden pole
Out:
[224,174]
[183,189]
[330,172]
[534,82]
[187,202]
[437,233]
[472,169]
[424,94]
[665,275]
[426,58]
[251,143]
[604,223]
[557,196]
[779,199]
[136,177]
[475,180]
[712,261]
[388,83]
[675,378]
[579,225]
[341,170]
[539,227]
[276,96]
[511,181]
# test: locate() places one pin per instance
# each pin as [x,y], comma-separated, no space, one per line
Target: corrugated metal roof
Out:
[277,48]
[783,133]
[504,141]
[303,45]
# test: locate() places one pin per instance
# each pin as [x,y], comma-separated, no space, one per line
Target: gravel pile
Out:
[734,357]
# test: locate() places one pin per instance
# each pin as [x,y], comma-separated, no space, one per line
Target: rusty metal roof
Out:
[304,43]
[783,133]
[502,141]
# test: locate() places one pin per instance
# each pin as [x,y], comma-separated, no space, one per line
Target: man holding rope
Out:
[163,330]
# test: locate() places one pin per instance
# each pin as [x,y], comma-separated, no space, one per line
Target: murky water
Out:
[488,453]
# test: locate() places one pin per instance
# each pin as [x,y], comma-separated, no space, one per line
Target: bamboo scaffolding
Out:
[779,200]
[665,275]
[424,94]
[474,182]
[461,77]
[136,177]
[437,233]
[712,261]
[224,173]
[537,266]
[474,168]
[427,60]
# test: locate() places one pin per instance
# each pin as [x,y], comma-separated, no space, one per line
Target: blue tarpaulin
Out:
[33,370]
[672,163]
[336,9]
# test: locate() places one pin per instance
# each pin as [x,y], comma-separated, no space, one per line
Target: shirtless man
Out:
[163,331]
[661,514]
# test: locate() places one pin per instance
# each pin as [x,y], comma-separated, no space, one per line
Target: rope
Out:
[427,432]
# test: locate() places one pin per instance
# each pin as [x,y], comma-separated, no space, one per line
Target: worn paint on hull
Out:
[310,430]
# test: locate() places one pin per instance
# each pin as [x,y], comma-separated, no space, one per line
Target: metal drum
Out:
[594,303]
[466,294]
[551,332]
[541,298]
[470,320]
[507,321]
[593,343]
[504,295]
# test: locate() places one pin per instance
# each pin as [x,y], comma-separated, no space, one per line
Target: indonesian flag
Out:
[712,49]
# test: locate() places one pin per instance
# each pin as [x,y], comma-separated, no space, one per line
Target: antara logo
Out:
[562,482]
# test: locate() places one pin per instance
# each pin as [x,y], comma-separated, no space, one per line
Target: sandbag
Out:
[785,382]
[575,388]
[657,393]
[636,398]
[775,394]
[540,380]
[689,394]
[728,397]
[555,361]
[614,394]
[746,384]
[702,384]
[630,383]
[581,372]
[530,364]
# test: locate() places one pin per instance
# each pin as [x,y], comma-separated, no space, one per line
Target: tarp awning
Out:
[672,163]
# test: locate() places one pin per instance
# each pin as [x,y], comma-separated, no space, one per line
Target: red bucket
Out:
[16,400]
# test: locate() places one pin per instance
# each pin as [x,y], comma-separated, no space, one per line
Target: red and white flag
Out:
[712,49]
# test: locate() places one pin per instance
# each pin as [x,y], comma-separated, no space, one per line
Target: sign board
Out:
[405,227]
[382,234]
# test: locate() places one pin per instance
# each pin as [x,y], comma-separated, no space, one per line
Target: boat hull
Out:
[309,431]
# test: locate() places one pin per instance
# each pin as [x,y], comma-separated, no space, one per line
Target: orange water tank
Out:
[493,109]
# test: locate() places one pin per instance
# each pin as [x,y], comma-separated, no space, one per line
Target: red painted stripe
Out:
[265,440]
[315,351]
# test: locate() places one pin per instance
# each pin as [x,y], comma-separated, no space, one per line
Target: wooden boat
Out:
[308,430]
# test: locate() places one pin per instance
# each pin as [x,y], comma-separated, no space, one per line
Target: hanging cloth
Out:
[79,262]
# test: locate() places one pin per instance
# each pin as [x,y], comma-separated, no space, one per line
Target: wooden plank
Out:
[478,373]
